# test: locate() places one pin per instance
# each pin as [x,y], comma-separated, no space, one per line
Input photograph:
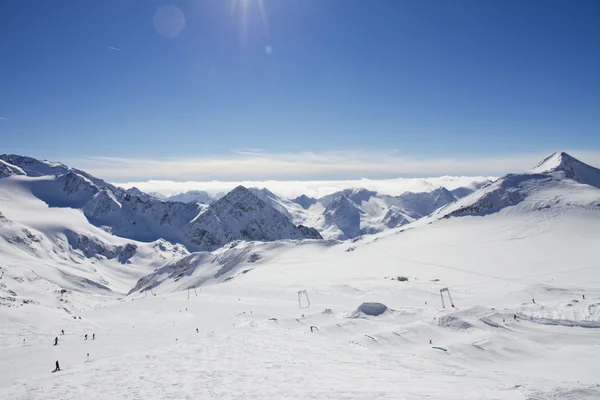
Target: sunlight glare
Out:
[243,8]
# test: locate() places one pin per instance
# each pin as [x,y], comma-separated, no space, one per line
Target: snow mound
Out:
[369,310]
[454,322]
[200,268]
[583,313]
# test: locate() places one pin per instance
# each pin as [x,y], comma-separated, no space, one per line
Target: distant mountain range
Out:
[201,222]
[131,214]
[78,232]
[349,213]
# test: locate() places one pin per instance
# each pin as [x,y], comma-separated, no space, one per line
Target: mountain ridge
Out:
[551,183]
[132,214]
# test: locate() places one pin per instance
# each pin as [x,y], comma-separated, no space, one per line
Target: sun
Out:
[243,9]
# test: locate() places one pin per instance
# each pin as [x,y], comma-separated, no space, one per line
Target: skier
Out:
[515,317]
[583,295]
[62,331]
[85,336]
[197,330]
[430,342]
[57,367]
[533,301]
[56,340]
[93,336]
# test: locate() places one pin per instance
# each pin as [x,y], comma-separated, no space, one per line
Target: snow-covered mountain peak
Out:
[34,167]
[553,162]
[356,195]
[193,196]
[304,201]
[241,215]
[239,195]
[138,193]
[241,199]
[570,167]
[343,201]
[559,182]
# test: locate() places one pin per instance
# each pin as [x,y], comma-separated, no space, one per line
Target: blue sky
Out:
[111,81]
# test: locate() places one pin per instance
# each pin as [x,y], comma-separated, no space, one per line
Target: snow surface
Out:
[227,323]
[147,347]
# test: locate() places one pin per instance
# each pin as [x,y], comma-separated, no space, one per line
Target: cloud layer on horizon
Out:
[255,168]
[252,165]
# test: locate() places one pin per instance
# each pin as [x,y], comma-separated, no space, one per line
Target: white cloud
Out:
[257,168]
[114,48]
[252,165]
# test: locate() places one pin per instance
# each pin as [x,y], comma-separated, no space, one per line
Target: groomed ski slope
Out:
[147,347]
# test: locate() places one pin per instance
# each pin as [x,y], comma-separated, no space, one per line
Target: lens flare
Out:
[169,21]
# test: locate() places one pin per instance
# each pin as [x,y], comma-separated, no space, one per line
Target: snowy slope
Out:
[239,332]
[254,342]
[463,191]
[293,211]
[345,215]
[7,169]
[222,265]
[46,250]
